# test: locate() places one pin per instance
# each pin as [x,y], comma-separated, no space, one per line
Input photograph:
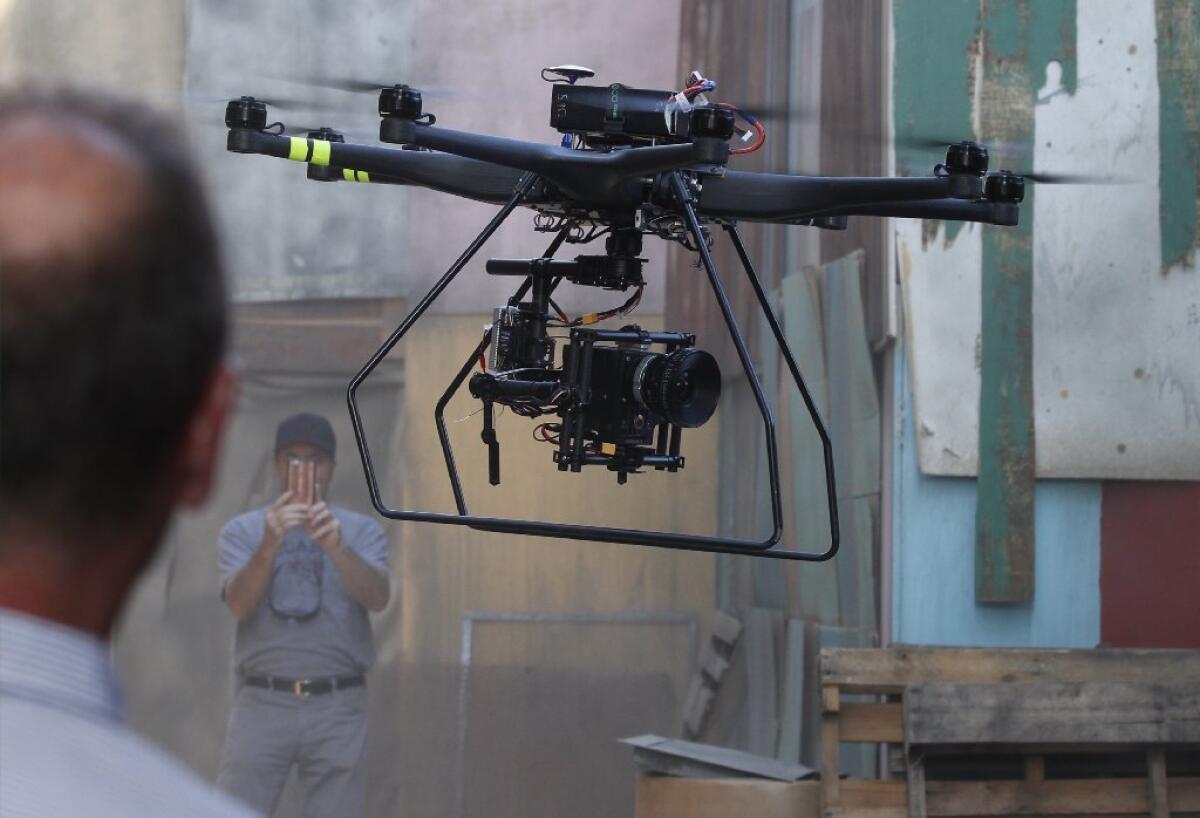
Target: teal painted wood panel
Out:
[816,586]
[933,588]
[854,427]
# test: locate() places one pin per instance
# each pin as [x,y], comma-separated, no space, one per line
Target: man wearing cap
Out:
[299,577]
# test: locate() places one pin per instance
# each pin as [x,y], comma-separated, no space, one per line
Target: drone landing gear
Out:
[763,548]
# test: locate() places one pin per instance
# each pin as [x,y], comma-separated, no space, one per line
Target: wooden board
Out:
[890,670]
[951,717]
[872,721]
[1098,796]
[663,797]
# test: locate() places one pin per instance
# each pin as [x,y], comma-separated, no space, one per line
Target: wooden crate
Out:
[986,682]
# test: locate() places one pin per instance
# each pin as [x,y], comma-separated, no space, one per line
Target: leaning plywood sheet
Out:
[1116,316]
[853,400]
[1052,714]
[792,710]
[770,582]
[762,713]
[816,588]
[854,426]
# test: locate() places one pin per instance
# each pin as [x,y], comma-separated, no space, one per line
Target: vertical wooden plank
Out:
[830,772]
[1156,764]
[1178,25]
[761,700]
[915,774]
[1019,39]
[854,758]
[793,693]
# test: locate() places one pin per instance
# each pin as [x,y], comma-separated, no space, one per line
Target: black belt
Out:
[304,688]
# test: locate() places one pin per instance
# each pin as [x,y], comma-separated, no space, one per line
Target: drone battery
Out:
[614,111]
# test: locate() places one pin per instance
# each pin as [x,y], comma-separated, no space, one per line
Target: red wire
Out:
[762,134]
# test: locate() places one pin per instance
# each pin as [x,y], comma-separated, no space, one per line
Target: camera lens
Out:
[683,387]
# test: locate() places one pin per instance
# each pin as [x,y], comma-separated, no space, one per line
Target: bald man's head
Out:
[112,307]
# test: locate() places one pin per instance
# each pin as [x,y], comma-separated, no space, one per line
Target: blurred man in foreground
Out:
[113,397]
[300,575]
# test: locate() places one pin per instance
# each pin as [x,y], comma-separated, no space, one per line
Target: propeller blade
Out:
[939,143]
[282,103]
[358,85]
[778,113]
[1071,179]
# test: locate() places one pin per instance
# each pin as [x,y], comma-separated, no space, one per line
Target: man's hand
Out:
[324,528]
[281,516]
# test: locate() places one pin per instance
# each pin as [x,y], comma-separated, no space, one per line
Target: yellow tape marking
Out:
[299,149]
[348,174]
[320,154]
[363,177]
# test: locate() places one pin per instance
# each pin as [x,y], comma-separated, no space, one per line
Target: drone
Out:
[630,163]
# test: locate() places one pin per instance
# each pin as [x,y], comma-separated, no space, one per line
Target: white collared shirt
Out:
[64,747]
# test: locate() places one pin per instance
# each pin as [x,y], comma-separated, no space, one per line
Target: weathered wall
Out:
[129,46]
[1114,287]
[933,556]
[487,59]
[1096,88]
[287,237]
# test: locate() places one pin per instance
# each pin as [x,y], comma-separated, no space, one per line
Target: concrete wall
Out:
[131,46]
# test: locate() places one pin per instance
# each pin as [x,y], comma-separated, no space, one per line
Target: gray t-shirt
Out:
[306,625]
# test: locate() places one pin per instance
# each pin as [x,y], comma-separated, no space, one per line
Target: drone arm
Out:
[1004,214]
[779,197]
[456,175]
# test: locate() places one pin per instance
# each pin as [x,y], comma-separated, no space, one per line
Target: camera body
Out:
[631,390]
[613,413]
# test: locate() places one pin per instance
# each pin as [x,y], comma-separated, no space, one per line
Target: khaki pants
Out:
[324,735]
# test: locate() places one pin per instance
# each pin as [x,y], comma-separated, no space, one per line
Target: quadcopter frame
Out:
[687,181]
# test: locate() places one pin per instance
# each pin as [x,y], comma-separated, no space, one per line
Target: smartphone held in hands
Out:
[302,481]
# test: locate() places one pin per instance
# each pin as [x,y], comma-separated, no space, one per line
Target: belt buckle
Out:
[298,689]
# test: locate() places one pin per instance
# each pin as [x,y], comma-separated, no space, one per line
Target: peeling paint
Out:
[1178,25]
[1171,383]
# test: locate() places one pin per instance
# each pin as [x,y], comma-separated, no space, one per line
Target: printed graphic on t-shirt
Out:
[296,583]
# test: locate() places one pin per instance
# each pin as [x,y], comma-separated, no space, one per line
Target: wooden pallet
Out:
[952,696]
